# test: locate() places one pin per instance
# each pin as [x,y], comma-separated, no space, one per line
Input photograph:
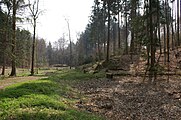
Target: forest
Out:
[125,65]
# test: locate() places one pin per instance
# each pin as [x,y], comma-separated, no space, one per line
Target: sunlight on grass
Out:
[45,99]
[76,75]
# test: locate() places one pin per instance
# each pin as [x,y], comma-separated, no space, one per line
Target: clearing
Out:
[75,95]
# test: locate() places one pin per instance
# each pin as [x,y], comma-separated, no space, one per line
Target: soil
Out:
[128,98]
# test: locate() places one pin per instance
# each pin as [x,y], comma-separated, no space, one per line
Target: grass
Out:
[23,72]
[76,75]
[46,99]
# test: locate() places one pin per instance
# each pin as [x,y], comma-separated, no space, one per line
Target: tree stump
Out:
[109,75]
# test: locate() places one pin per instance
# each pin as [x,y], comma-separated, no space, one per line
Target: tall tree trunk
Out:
[126,40]
[164,46]
[147,34]
[168,37]
[152,42]
[99,49]
[133,15]
[70,47]
[119,37]
[108,39]
[173,38]
[178,22]
[175,28]
[4,53]
[33,48]
[4,64]
[158,25]
[104,27]
[13,71]
[5,42]
[114,38]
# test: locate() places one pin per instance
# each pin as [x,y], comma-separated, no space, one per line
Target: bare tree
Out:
[70,42]
[35,12]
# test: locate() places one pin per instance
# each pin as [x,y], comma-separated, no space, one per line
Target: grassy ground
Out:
[26,72]
[50,98]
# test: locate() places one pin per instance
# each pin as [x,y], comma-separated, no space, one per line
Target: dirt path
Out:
[13,80]
[127,98]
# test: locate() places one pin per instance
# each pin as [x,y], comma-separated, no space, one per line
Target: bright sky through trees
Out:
[51,25]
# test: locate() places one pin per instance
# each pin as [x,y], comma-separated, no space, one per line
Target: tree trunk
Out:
[5,44]
[133,15]
[70,47]
[33,48]
[173,38]
[99,49]
[4,53]
[4,64]
[13,71]
[152,42]
[104,27]
[178,29]
[119,37]
[158,25]
[114,38]
[126,41]
[164,46]
[108,39]
[168,37]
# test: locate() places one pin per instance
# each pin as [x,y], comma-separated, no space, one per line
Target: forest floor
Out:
[128,98]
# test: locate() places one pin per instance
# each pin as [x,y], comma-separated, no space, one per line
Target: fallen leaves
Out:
[127,98]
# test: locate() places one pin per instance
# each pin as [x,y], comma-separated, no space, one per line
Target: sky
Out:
[52,25]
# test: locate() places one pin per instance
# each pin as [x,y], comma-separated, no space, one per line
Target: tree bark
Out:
[178,22]
[5,43]
[126,40]
[152,42]
[13,71]
[119,37]
[164,46]
[168,37]
[33,47]
[108,39]
[133,15]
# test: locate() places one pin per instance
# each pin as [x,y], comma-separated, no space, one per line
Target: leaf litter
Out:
[128,98]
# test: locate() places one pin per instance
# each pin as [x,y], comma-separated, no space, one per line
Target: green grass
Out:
[23,72]
[45,99]
[38,72]
[76,75]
